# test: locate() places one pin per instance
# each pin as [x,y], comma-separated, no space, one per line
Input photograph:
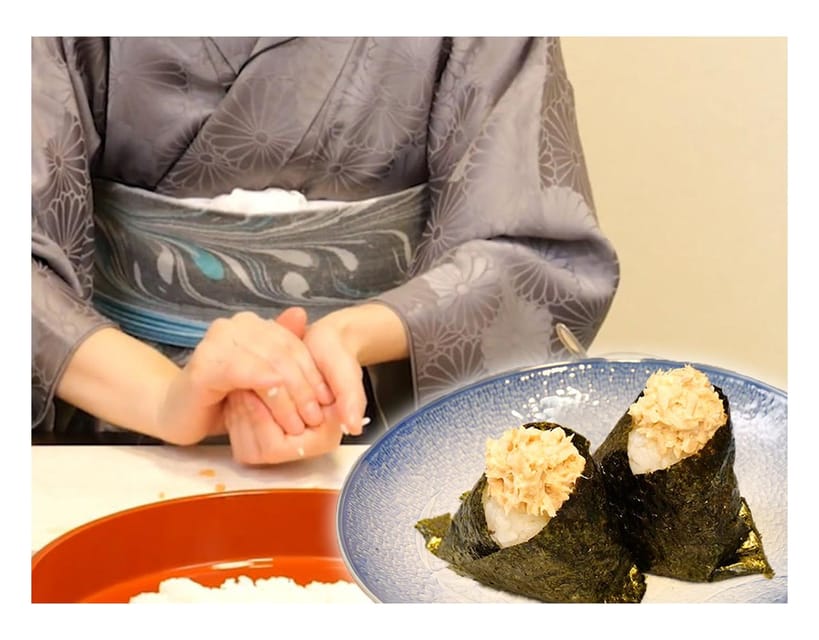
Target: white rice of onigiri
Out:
[676,416]
[530,473]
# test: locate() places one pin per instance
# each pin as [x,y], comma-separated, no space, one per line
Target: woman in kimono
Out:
[440,224]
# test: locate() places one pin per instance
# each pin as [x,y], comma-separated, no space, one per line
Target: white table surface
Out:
[74,484]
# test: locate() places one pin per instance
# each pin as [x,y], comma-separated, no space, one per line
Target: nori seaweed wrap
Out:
[688,520]
[578,556]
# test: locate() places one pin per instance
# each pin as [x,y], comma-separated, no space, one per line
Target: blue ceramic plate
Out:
[420,467]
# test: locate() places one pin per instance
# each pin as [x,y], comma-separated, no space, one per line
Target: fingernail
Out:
[365,421]
[344,429]
[300,451]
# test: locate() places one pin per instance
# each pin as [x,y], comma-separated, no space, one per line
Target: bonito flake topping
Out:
[678,412]
[532,470]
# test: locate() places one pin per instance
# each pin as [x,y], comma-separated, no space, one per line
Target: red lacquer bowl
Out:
[207,538]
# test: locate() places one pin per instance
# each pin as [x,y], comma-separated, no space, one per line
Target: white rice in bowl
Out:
[243,589]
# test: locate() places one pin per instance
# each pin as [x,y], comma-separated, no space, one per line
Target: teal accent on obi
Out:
[208,264]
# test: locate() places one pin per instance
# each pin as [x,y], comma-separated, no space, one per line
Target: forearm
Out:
[118,379]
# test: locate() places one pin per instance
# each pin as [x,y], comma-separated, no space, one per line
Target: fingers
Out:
[311,443]
[219,364]
[290,357]
[263,380]
[243,444]
[318,441]
[284,411]
[256,439]
[345,380]
[272,442]
[344,376]
[247,352]
[294,319]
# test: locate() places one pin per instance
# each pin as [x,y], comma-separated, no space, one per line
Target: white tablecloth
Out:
[74,484]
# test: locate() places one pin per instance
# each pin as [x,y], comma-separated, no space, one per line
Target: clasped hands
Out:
[280,389]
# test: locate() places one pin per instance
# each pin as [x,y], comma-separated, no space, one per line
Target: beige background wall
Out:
[685,140]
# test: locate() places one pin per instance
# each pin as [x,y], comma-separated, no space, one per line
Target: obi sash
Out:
[164,270]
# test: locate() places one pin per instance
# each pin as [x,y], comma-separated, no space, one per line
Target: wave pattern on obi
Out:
[152,249]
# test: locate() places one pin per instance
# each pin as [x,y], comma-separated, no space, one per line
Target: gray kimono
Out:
[462,198]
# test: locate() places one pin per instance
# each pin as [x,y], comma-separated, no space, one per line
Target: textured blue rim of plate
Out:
[713,372]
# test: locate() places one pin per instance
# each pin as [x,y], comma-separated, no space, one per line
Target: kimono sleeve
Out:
[513,244]
[65,95]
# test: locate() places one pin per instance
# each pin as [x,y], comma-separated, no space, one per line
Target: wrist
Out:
[370,332]
[170,413]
